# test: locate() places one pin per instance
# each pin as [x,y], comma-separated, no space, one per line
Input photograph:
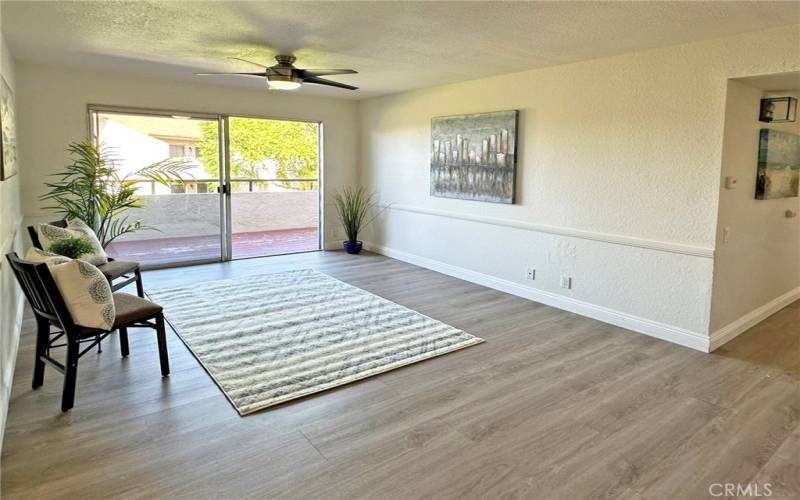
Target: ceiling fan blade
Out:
[323,72]
[249,62]
[262,75]
[323,81]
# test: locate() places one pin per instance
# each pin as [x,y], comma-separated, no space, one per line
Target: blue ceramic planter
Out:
[352,248]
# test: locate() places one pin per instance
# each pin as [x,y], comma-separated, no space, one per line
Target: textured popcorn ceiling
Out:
[395,46]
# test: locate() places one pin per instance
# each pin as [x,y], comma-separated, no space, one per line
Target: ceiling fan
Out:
[284,76]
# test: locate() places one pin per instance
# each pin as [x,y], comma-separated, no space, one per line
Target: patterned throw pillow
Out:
[36,255]
[76,228]
[85,290]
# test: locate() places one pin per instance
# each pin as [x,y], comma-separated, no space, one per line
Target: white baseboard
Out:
[749,320]
[638,324]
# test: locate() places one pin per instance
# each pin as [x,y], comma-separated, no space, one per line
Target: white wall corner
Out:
[749,320]
[331,245]
[17,310]
[670,333]
[9,365]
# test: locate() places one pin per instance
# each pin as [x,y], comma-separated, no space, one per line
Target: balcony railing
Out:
[247,185]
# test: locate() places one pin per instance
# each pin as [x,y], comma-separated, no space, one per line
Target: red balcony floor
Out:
[188,248]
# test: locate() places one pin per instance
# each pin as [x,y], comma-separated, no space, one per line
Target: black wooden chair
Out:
[119,273]
[48,306]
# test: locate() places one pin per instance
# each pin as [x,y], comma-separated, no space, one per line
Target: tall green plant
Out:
[91,189]
[356,208]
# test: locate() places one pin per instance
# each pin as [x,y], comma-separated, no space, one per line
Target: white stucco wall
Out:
[625,149]
[55,101]
[761,259]
[132,149]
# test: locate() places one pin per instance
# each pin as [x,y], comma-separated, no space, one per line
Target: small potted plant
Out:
[74,248]
[355,206]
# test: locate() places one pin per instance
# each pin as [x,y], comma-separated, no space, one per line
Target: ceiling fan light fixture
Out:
[281,82]
[284,76]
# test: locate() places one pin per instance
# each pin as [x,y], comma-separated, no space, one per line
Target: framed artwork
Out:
[473,157]
[8,137]
[778,165]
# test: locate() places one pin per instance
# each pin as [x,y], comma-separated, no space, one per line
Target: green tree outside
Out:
[256,144]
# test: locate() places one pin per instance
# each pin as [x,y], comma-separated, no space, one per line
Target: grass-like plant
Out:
[356,209]
[73,248]
[92,190]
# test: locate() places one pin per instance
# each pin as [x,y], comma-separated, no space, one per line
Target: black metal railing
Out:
[200,186]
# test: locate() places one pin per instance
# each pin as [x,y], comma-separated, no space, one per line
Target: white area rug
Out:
[270,338]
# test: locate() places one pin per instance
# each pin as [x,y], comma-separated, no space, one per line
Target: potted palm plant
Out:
[92,190]
[356,209]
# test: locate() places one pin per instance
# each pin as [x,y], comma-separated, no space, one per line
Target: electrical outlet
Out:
[531,274]
[566,282]
[726,234]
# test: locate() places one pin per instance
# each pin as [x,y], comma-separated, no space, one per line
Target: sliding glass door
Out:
[181,220]
[274,179]
[249,186]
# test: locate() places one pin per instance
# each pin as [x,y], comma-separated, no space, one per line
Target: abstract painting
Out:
[778,165]
[8,136]
[473,157]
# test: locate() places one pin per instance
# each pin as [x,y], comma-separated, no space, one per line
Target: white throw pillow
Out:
[85,290]
[37,255]
[76,228]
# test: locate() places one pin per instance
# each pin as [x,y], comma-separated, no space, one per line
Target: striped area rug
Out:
[270,338]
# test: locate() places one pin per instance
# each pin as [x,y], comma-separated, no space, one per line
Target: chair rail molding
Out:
[616,239]
[7,244]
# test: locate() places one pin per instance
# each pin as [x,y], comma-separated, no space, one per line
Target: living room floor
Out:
[552,405]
